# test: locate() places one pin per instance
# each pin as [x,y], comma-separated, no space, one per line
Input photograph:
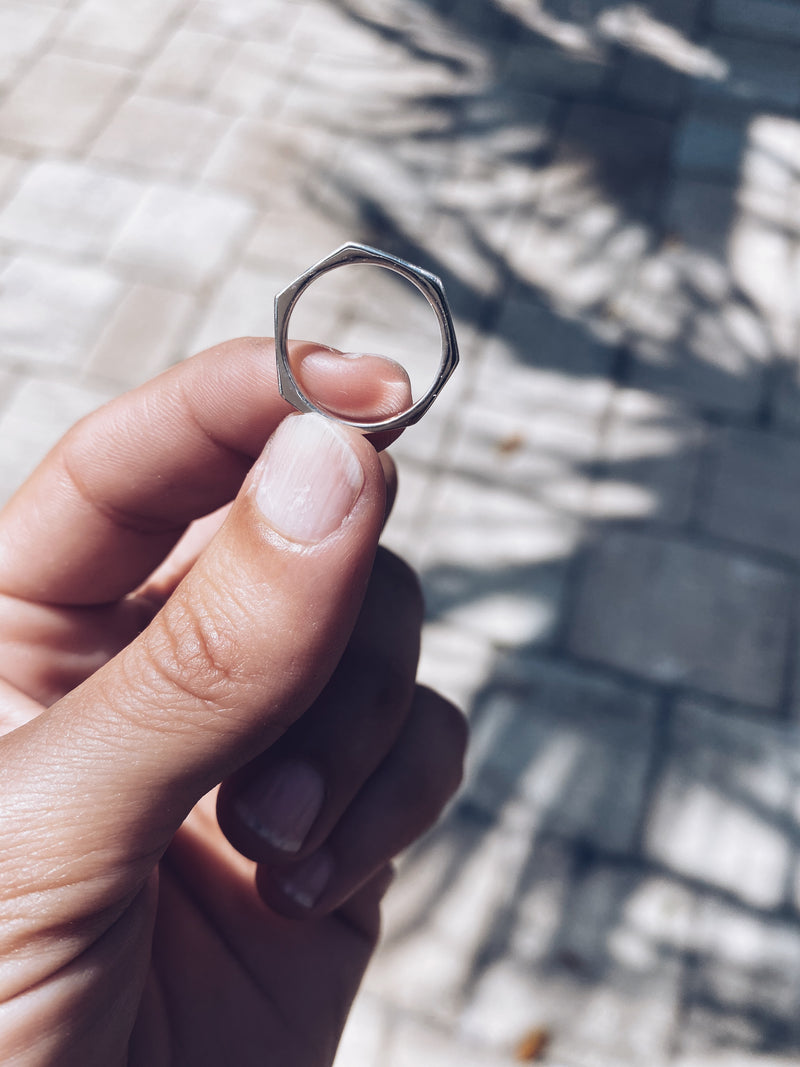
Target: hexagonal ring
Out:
[428,284]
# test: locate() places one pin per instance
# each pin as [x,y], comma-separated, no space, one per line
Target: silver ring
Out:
[428,284]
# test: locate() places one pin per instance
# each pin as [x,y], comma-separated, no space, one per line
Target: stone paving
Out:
[603,504]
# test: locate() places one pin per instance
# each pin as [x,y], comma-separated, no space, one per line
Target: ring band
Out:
[428,284]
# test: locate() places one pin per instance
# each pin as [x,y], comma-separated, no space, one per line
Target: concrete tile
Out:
[415,1042]
[244,19]
[712,145]
[495,562]
[321,27]
[142,336]
[23,28]
[752,494]
[649,460]
[534,63]
[256,79]
[455,663]
[645,80]
[187,66]
[769,182]
[542,440]
[569,747]
[762,73]
[602,976]
[261,159]
[686,615]
[691,333]
[39,413]
[52,312]
[578,246]
[744,988]
[775,19]
[725,808]
[625,152]
[169,137]
[762,262]
[533,351]
[451,891]
[241,307]
[128,32]
[182,236]
[59,102]
[70,206]
[12,168]
[365,1037]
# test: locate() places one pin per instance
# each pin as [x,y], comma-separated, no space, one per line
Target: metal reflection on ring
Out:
[428,284]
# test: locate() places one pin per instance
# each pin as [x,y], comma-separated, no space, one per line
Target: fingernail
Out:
[307,882]
[310,479]
[281,807]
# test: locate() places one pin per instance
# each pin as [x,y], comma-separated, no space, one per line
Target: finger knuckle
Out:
[194,650]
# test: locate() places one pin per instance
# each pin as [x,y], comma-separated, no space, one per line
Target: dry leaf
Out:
[532,1046]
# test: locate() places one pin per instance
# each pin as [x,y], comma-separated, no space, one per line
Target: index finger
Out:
[117,492]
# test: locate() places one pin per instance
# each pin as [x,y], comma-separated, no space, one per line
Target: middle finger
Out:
[284,804]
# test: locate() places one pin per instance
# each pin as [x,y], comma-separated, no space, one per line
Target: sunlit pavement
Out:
[604,502]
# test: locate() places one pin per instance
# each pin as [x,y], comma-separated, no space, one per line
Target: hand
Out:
[141,668]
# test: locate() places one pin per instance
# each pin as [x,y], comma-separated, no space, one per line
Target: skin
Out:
[158,637]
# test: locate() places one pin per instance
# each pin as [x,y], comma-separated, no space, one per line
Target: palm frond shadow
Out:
[583,780]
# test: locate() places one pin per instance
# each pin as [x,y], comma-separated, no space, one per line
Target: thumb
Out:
[239,651]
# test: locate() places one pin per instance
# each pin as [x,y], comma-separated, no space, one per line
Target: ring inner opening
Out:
[387,331]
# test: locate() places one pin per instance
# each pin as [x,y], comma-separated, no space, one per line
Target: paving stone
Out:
[625,152]
[242,307]
[777,19]
[52,312]
[649,459]
[535,64]
[495,562]
[23,28]
[11,170]
[460,879]
[187,66]
[600,972]
[416,1042]
[691,333]
[59,102]
[757,73]
[455,663]
[533,352]
[255,80]
[365,1034]
[261,158]
[743,990]
[128,32]
[142,336]
[683,614]
[569,746]
[246,19]
[646,81]
[39,413]
[769,182]
[69,206]
[753,493]
[713,145]
[321,27]
[182,235]
[170,137]
[541,439]
[724,805]
[577,247]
